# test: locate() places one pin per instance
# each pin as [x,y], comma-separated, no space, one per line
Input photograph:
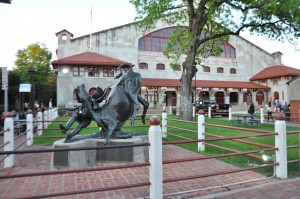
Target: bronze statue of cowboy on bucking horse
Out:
[121,102]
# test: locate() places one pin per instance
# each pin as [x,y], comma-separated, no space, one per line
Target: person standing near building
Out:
[251,110]
[269,110]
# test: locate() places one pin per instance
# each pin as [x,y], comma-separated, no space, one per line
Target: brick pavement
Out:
[277,189]
[28,186]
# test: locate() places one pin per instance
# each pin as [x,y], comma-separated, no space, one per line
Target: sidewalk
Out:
[277,189]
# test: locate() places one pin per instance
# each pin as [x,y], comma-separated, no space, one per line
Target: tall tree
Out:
[216,20]
[38,56]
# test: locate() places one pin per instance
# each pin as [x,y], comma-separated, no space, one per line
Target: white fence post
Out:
[56,113]
[261,115]
[170,110]
[194,111]
[209,112]
[40,122]
[9,137]
[280,143]
[230,113]
[45,119]
[164,124]
[201,129]
[155,158]
[29,134]
[49,114]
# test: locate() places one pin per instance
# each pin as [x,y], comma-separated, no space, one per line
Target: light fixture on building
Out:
[65,70]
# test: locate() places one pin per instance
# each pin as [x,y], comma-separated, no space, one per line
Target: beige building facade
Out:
[224,78]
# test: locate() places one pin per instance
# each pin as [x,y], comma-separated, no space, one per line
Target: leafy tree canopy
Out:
[38,56]
[34,55]
[216,20]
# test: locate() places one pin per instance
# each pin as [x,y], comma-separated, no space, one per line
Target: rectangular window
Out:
[78,71]
[232,52]
[141,44]
[227,51]
[148,43]
[160,67]
[155,44]
[262,81]
[143,66]
[275,81]
[93,72]
[108,72]
[163,43]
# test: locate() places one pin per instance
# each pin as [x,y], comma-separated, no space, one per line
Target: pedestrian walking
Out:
[269,110]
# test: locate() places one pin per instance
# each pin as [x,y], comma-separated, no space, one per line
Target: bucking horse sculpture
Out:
[121,103]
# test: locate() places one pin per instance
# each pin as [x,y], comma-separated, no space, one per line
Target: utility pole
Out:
[31,71]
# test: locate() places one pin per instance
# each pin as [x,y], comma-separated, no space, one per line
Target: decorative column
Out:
[9,139]
[155,158]
[280,143]
[201,130]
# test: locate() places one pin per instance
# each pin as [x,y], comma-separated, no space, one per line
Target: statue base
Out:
[85,158]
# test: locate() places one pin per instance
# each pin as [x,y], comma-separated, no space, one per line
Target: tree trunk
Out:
[186,106]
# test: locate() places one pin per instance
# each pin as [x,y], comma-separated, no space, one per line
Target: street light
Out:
[31,71]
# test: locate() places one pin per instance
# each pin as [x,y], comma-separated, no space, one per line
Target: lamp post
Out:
[31,71]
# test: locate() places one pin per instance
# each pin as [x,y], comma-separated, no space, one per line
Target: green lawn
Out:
[241,161]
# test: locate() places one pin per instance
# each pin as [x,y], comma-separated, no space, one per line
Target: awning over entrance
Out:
[205,84]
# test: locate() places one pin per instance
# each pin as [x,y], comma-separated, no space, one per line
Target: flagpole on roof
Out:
[90,48]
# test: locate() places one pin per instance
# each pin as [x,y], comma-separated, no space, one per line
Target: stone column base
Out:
[85,158]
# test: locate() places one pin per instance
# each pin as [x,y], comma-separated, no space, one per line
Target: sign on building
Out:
[4,78]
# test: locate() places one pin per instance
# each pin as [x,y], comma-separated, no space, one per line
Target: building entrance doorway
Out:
[171,98]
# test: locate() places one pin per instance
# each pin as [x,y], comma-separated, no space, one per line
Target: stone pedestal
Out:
[85,158]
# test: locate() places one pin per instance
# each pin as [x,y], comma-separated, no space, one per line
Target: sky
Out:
[24,22]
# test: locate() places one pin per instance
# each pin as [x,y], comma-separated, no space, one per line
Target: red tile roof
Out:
[275,71]
[202,83]
[88,59]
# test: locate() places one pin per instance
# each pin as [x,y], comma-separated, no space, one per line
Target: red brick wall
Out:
[294,108]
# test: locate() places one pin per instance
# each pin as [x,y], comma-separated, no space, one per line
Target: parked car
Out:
[223,110]
[204,104]
[216,109]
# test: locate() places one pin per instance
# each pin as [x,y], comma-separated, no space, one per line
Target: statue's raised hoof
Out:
[144,119]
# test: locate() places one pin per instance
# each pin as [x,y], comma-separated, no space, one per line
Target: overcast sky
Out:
[24,22]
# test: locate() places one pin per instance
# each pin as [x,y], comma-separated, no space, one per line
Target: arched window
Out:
[143,65]
[228,51]
[64,37]
[220,70]
[160,67]
[158,40]
[232,71]
[206,69]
